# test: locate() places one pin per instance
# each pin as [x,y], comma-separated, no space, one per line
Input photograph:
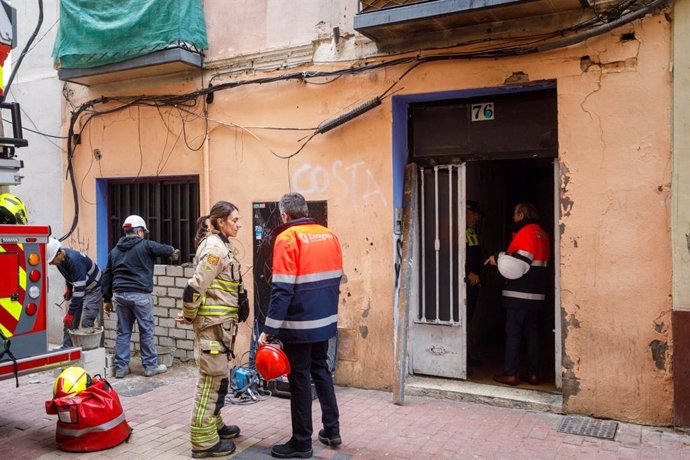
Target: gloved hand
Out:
[69,317]
[68,293]
[175,256]
[108,307]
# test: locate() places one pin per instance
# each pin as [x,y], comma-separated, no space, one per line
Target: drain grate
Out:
[585,426]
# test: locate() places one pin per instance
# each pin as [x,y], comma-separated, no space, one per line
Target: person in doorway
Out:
[210,305]
[128,281]
[303,314]
[524,267]
[473,268]
[83,290]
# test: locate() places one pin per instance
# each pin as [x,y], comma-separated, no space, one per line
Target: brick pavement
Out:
[372,427]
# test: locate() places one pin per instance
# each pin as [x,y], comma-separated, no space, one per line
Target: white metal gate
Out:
[438,326]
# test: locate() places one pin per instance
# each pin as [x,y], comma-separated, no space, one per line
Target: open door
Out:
[437,319]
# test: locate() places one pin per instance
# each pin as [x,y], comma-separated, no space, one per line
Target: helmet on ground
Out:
[71,382]
[271,362]
[52,249]
[511,267]
[12,210]
[133,222]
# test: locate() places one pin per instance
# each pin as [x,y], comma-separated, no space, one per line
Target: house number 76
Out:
[483,112]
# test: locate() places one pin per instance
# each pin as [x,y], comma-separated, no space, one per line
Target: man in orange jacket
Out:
[524,267]
[303,314]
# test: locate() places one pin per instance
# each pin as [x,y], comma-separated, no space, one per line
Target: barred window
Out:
[170,207]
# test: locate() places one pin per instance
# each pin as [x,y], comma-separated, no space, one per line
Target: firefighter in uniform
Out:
[524,267]
[210,305]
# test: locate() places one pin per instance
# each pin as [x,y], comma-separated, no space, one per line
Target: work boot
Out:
[330,440]
[287,450]
[229,431]
[221,449]
[151,371]
[120,373]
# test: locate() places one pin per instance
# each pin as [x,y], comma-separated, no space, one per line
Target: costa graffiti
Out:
[354,184]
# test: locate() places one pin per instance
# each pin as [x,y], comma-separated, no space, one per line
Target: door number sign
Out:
[483,111]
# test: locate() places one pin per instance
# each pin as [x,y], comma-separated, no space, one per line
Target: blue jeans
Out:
[131,306]
[86,315]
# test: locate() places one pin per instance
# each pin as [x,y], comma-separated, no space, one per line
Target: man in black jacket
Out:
[128,280]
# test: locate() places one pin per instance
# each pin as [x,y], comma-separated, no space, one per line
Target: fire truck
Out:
[23,304]
[23,268]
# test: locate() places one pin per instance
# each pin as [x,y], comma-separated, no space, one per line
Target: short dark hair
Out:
[294,205]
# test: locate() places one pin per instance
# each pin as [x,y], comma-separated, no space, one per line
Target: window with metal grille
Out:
[170,207]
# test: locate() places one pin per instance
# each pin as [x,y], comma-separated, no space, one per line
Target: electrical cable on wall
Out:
[601,22]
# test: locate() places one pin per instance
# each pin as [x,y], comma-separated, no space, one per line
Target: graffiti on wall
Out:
[352,184]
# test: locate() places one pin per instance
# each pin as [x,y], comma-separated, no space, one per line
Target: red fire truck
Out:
[23,304]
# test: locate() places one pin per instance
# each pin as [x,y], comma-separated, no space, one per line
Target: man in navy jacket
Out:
[83,278]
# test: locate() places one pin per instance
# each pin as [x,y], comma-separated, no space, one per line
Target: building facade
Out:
[393,118]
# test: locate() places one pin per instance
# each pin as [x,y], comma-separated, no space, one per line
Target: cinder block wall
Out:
[168,283]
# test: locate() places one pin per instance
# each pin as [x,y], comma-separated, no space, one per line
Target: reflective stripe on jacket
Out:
[307,267]
[216,280]
[530,244]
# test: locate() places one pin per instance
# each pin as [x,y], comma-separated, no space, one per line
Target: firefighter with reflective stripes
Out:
[303,314]
[83,278]
[524,267]
[210,305]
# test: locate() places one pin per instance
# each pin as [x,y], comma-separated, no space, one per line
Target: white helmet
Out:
[52,249]
[133,222]
[511,267]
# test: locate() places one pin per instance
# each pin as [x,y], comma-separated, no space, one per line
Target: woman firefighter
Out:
[211,303]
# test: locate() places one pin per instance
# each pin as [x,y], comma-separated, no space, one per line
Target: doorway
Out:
[497,150]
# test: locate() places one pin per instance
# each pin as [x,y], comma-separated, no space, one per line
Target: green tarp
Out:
[99,32]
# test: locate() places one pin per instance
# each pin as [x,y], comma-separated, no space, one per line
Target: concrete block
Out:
[181,282]
[93,361]
[159,269]
[175,292]
[166,302]
[160,290]
[174,270]
[166,322]
[166,342]
[166,281]
[184,345]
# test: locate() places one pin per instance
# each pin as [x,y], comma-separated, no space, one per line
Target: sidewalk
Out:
[159,408]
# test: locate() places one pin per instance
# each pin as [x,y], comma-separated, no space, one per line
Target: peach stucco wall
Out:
[614,154]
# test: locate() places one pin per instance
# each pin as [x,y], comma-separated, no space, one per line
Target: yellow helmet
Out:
[12,210]
[71,382]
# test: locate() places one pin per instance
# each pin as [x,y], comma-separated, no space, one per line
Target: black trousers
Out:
[522,320]
[308,362]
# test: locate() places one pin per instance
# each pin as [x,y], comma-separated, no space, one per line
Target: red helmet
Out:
[271,362]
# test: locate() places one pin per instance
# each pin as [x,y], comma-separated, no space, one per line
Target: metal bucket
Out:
[87,338]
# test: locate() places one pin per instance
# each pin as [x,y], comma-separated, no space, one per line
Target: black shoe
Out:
[229,431]
[333,440]
[221,449]
[288,451]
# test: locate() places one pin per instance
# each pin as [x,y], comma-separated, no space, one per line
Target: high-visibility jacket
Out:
[530,244]
[212,290]
[307,267]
